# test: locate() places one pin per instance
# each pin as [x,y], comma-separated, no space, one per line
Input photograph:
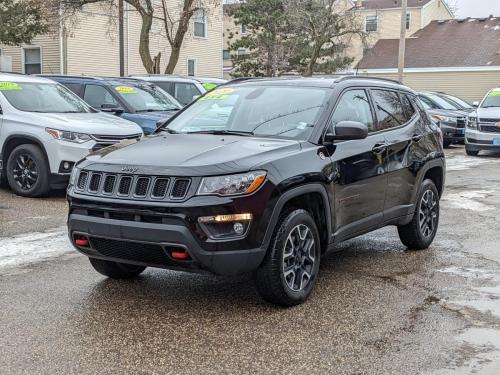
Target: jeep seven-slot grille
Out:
[130,186]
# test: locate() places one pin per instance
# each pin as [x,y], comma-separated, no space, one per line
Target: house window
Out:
[408,21]
[200,23]
[226,55]
[371,24]
[243,28]
[241,51]
[191,67]
[32,60]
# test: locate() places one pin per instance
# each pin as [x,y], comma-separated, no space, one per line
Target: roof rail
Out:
[345,78]
[69,76]
[13,73]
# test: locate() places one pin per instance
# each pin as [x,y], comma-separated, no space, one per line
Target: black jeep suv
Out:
[265,176]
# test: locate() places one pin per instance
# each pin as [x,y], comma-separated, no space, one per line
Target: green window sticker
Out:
[494,93]
[9,86]
[126,90]
[209,86]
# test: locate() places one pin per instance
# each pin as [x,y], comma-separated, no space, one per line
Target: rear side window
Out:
[389,109]
[185,93]
[354,106]
[408,107]
[97,96]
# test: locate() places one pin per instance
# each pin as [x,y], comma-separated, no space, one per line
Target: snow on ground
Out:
[34,247]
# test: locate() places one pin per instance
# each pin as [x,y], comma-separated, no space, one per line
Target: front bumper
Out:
[58,151]
[477,140]
[452,133]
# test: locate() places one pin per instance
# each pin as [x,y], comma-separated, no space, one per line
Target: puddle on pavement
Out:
[463,162]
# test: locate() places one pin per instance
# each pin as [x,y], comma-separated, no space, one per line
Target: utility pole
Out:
[402,41]
[121,38]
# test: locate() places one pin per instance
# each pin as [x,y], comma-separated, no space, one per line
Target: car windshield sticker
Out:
[494,93]
[126,90]
[219,94]
[209,86]
[9,86]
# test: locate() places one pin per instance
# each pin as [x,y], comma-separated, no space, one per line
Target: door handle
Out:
[379,148]
[417,137]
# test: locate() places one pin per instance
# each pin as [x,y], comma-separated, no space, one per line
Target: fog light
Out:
[66,165]
[225,218]
[238,228]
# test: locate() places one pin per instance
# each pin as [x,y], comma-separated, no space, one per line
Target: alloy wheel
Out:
[428,213]
[25,171]
[299,257]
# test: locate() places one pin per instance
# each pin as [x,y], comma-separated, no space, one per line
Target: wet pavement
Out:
[377,308]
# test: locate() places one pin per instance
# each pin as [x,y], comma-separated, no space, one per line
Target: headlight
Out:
[472,122]
[236,184]
[68,136]
[72,177]
[439,118]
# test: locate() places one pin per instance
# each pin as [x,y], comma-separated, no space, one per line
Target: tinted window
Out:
[354,106]
[97,96]
[408,107]
[75,87]
[146,98]
[289,112]
[185,93]
[426,103]
[165,86]
[438,102]
[389,108]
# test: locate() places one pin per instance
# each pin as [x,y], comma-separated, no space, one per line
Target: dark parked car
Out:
[132,99]
[263,176]
[448,115]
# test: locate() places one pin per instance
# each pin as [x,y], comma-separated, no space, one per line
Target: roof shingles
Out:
[453,43]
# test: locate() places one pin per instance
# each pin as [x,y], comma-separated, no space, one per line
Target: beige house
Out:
[460,57]
[89,46]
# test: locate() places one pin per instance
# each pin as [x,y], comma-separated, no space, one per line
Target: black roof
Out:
[311,81]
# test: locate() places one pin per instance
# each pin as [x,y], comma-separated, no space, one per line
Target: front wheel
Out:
[470,152]
[116,270]
[420,232]
[289,270]
[446,143]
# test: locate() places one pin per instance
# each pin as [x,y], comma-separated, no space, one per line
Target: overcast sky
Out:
[477,8]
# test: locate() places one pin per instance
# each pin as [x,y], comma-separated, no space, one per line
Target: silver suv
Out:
[45,129]
[483,125]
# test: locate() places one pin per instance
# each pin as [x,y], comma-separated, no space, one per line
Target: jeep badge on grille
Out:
[129,169]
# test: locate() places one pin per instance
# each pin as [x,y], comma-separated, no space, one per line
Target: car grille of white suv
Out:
[108,140]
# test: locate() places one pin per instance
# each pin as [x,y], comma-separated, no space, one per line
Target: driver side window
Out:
[353,106]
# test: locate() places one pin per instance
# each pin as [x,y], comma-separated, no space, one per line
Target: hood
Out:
[493,113]
[148,121]
[448,112]
[192,154]
[88,123]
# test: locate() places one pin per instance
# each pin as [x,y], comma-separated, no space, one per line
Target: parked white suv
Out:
[483,125]
[45,129]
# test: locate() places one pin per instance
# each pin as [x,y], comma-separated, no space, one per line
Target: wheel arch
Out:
[16,140]
[311,197]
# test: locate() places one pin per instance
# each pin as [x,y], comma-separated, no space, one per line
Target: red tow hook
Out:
[180,255]
[82,242]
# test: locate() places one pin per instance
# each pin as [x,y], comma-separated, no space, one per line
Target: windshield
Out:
[43,98]
[289,112]
[442,103]
[147,98]
[457,101]
[491,100]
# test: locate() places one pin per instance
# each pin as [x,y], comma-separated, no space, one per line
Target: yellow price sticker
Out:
[218,94]
[9,86]
[126,90]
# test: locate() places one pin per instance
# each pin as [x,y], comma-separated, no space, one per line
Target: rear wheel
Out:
[289,270]
[470,152]
[116,270]
[27,171]
[420,232]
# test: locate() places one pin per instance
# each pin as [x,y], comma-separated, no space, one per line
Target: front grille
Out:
[108,140]
[490,128]
[134,251]
[460,123]
[489,120]
[114,185]
[180,188]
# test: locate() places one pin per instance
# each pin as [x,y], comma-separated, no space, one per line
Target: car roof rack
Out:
[345,78]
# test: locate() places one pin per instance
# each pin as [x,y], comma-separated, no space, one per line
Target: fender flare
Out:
[293,193]
[438,162]
[21,136]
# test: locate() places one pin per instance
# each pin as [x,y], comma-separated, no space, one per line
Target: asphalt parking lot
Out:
[377,308]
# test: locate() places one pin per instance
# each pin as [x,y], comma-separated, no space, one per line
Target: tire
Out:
[470,152]
[420,232]
[446,144]
[27,171]
[116,270]
[281,286]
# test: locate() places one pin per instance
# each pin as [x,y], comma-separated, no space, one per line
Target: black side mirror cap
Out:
[112,109]
[347,130]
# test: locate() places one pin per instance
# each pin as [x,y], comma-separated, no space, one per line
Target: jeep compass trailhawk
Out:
[264,176]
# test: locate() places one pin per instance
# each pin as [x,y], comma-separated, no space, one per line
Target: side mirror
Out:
[112,108]
[347,130]
[475,104]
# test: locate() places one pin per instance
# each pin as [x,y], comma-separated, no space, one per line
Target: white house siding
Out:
[469,85]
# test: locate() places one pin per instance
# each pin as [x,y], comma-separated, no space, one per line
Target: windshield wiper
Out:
[222,132]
